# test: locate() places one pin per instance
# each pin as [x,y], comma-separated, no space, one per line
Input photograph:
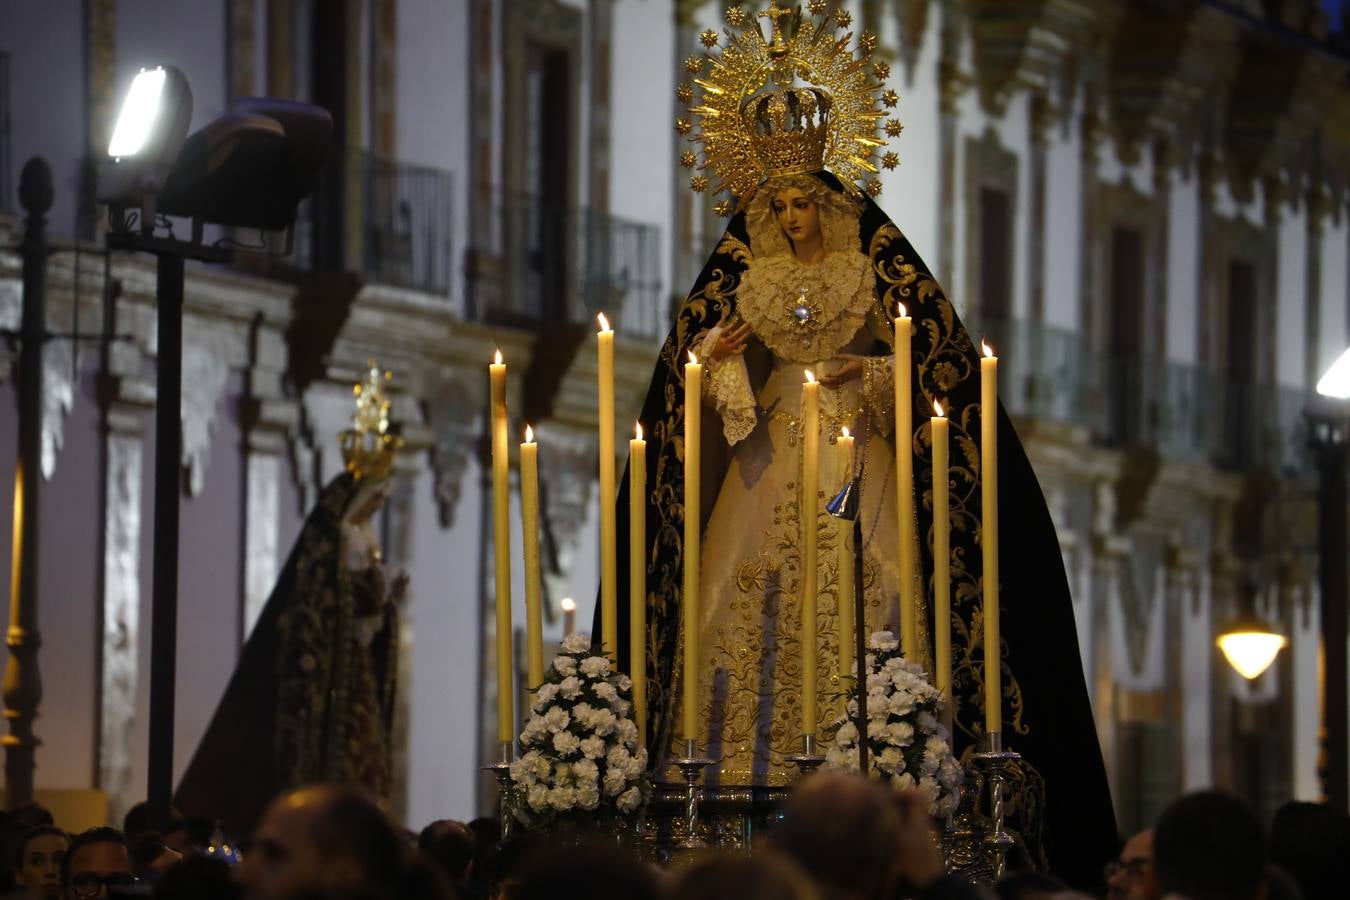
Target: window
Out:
[995,257]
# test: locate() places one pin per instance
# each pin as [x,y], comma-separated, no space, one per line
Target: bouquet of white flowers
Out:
[581,761]
[906,744]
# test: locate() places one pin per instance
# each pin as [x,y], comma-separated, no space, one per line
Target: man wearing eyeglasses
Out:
[1131,876]
[97,864]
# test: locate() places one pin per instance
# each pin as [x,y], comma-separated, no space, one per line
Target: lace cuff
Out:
[879,392]
[726,385]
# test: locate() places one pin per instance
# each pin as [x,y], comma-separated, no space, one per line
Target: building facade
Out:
[1141,203]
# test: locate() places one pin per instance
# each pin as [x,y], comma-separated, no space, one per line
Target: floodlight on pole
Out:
[1335,382]
[146,140]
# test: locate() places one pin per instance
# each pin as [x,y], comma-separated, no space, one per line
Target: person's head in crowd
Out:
[843,831]
[487,834]
[1311,842]
[589,870]
[452,847]
[322,838]
[97,860]
[150,857]
[197,878]
[1279,885]
[38,861]
[500,870]
[31,815]
[189,836]
[768,875]
[1130,876]
[1209,846]
[1029,885]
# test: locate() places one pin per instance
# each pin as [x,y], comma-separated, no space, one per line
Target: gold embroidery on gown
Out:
[750,624]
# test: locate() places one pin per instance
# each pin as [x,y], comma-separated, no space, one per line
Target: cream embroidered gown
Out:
[750,622]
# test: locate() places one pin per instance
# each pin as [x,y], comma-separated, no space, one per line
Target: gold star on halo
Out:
[693,64]
[890,98]
[816,7]
[708,38]
[683,126]
[881,70]
[722,208]
[890,160]
[842,18]
[684,93]
[688,159]
[735,16]
[873,188]
[868,42]
[893,127]
[698,184]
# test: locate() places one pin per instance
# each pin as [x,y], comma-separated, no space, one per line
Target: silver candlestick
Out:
[994,761]
[501,770]
[691,765]
[809,759]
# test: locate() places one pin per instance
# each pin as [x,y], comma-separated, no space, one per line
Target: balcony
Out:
[406,221]
[1178,410]
[536,265]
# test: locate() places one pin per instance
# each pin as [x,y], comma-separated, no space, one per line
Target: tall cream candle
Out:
[843,534]
[501,540]
[609,591]
[637,577]
[529,519]
[810,481]
[693,409]
[904,483]
[993,672]
[942,583]
[569,611]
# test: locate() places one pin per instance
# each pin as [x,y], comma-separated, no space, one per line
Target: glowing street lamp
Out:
[1250,645]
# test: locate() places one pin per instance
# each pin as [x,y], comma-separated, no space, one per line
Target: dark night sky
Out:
[1333,8]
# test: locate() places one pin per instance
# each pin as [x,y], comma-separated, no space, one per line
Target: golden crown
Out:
[368,447]
[798,100]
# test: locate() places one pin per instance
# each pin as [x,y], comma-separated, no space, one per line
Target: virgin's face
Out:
[798,215]
[40,867]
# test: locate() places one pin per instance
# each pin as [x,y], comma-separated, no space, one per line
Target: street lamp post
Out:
[1329,436]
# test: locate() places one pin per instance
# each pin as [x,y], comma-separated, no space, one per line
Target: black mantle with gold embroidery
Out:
[1062,805]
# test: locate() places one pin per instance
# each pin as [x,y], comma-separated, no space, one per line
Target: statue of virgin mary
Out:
[807,275]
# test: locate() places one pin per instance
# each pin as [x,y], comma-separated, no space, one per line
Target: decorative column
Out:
[126,402]
[23,684]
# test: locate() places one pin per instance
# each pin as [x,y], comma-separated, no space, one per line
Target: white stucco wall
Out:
[1063,238]
[1183,268]
[1290,290]
[1332,323]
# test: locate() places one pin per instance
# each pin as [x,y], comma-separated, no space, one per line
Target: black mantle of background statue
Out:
[1065,823]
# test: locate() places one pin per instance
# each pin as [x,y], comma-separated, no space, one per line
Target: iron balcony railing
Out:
[1179,410]
[537,264]
[406,224]
[6,164]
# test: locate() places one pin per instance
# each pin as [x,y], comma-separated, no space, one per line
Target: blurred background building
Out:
[1142,203]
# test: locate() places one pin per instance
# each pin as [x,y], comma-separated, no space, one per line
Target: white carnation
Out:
[588,797]
[847,733]
[585,772]
[883,640]
[903,782]
[623,682]
[562,798]
[546,694]
[901,703]
[556,719]
[565,665]
[901,734]
[628,732]
[614,782]
[566,743]
[604,690]
[537,796]
[629,800]
[570,687]
[890,760]
[593,747]
[617,758]
[595,667]
[576,642]
[928,722]
[604,722]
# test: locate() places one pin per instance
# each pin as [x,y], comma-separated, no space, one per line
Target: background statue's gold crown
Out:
[803,97]
[368,447]
[788,129]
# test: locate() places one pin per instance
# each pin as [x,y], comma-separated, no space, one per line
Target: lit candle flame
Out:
[529,435]
[604,323]
[810,377]
[638,430]
[693,360]
[937,406]
[568,604]
[844,429]
[988,351]
[900,310]
[498,359]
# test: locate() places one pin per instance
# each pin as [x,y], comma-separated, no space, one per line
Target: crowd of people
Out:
[838,838]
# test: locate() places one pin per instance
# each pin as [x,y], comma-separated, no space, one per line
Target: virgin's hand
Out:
[850,370]
[732,341]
